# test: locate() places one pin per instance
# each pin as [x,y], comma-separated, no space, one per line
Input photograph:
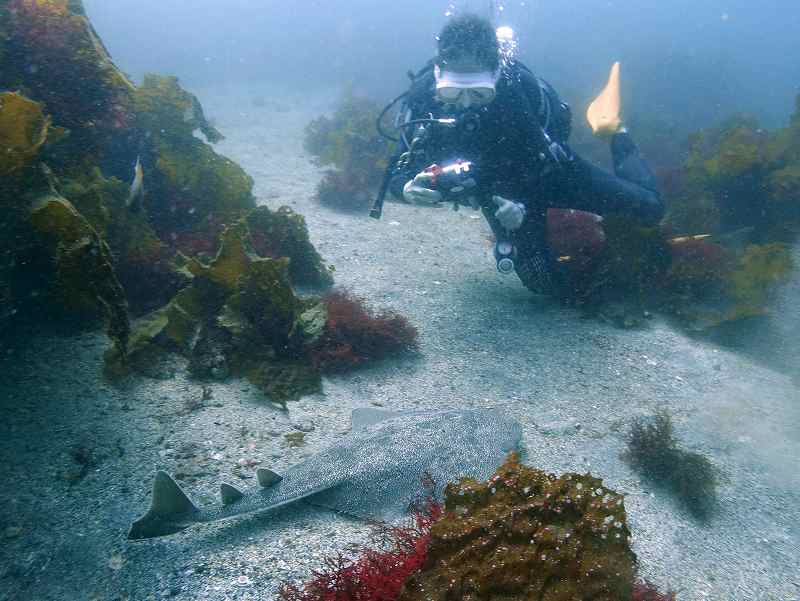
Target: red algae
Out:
[355,335]
[380,572]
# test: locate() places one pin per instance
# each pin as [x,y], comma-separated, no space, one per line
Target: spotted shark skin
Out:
[373,473]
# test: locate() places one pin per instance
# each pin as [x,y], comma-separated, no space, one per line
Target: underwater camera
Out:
[453,180]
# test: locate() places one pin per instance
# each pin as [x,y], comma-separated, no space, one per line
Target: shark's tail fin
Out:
[170,510]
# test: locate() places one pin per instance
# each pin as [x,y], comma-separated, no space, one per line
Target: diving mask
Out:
[453,87]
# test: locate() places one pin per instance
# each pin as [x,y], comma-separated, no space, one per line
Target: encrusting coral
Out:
[529,535]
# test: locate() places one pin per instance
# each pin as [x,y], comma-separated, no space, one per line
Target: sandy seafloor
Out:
[573,383]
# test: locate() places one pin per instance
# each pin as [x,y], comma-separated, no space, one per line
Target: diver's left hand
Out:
[510,214]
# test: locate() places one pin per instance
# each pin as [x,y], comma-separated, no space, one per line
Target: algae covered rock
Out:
[50,46]
[750,173]
[283,233]
[633,261]
[192,191]
[285,380]
[23,131]
[84,282]
[238,316]
[525,534]
[266,299]
[81,251]
[148,269]
[709,284]
[169,112]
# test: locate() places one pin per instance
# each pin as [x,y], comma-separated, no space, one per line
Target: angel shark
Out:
[373,473]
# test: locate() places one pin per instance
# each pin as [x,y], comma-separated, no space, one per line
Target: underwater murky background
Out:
[78,453]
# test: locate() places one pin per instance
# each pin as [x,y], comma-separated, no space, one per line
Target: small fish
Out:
[681,239]
[134,201]
[735,239]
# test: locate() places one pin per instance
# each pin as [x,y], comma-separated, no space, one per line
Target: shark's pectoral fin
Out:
[230,494]
[170,510]
[267,477]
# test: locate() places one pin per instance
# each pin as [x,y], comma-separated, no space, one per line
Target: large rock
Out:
[283,233]
[84,282]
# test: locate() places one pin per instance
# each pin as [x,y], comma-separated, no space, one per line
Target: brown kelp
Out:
[654,451]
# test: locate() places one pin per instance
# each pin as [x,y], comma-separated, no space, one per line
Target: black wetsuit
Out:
[521,153]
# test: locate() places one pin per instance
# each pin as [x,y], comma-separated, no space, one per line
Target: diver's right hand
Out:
[416,191]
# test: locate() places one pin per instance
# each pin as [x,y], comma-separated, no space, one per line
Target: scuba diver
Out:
[478,127]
